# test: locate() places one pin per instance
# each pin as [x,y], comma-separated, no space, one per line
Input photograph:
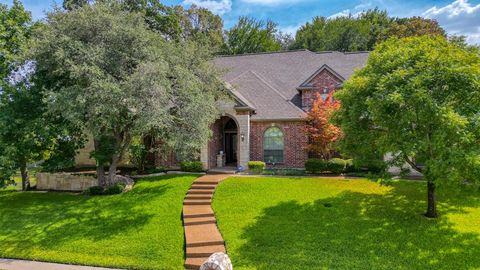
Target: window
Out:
[273,145]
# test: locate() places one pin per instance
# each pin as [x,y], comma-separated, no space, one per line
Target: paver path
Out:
[202,237]
[10,264]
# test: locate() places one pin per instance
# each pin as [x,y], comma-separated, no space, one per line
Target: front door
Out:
[230,148]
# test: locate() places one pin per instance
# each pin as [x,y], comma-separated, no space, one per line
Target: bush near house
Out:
[284,172]
[191,166]
[256,166]
[110,190]
[334,165]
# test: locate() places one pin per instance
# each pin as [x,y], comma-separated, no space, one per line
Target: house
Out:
[272,93]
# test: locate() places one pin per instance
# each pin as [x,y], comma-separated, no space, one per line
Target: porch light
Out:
[242,137]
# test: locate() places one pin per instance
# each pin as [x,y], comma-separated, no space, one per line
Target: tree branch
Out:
[412,164]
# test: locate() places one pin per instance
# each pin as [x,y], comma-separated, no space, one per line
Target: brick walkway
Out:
[202,237]
[10,264]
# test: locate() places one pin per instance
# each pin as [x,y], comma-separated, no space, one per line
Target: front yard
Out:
[301,223]
[141,229]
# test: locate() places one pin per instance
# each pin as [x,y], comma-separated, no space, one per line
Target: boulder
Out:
[217,261]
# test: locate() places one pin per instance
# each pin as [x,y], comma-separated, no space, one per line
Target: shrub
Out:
[152,169]
[115,189]
[286,172]
[337,165]
[315,165]
[191,166]
[349,166]
[138,153]
[95,190]
[256,166]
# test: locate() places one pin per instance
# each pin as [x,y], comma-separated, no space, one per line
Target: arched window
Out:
[273,145]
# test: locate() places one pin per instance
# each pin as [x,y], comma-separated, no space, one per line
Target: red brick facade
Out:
[324,83]
[294,137]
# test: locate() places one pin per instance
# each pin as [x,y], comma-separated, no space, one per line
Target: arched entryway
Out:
[223,147]
[230,142]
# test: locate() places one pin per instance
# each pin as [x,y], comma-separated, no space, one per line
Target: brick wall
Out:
[324,83]
[294,137]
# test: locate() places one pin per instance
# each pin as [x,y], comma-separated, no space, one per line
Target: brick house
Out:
[271,93]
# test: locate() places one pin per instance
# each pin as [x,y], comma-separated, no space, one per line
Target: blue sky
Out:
[456,16]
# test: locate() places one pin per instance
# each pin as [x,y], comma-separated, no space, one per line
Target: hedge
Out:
[256,166]
[191,166]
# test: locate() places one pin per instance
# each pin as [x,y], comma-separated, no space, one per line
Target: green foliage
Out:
[28,132]
[173,22]
[95,190]
[154,169]
[62,155]
[251,36]
[7,169]
[138,153]
[256,166]
[107,231]
[334,165]
[114,189]
[315,165]
[362,32]
[15,31]
[191,166]
[337,165]
[284,171]
[416,97]
[127,81]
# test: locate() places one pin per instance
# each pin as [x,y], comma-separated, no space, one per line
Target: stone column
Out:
[243,139]
[204,156]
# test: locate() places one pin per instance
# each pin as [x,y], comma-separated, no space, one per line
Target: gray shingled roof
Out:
[269,81]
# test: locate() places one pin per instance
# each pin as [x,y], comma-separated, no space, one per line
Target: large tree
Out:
[172,22]
[362,32]
[25,134]
[419,99]
[414,26]
[15,30]
[251,36]
[108,73]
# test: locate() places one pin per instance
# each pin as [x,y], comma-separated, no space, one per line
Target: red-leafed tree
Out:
[321,133]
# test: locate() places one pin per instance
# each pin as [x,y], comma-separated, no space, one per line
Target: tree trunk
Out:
[100,167]
[25,178]
[112,170]
[101,175]
[432,203]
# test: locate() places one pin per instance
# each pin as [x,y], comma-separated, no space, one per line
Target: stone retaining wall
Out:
[65,181]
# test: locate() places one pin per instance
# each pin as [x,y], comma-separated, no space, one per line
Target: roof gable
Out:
[308,83]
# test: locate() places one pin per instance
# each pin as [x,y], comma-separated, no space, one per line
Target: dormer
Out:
[324,81]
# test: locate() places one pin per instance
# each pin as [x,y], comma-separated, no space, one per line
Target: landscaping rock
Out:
[217,261]
[127,181]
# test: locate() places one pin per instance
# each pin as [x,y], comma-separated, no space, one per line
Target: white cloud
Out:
[271,2]
[460,17]
[292,29]
[343,13]
[218,7]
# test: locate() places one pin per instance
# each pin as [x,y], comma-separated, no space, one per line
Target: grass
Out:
[312,223]
[141,229]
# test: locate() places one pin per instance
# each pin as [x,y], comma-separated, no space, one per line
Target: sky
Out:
[461,17]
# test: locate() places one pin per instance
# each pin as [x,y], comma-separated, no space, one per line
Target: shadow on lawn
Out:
[359,231]
[46,220]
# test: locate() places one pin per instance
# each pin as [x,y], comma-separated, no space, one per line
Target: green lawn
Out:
[141,229]
[301,223]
